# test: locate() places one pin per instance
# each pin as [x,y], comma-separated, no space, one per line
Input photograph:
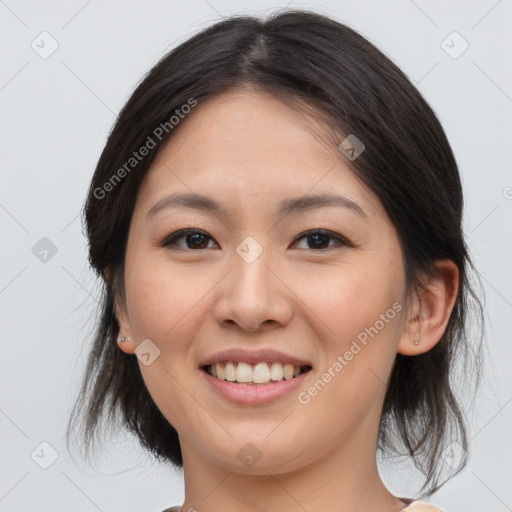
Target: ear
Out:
[125,338]
[430,312]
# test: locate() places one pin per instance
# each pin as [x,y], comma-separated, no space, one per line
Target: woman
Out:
[276,218]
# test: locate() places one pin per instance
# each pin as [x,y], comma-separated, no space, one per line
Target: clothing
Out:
[418,506]
[414,506]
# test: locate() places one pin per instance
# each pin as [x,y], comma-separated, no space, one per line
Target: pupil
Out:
[196,239]
[319,238]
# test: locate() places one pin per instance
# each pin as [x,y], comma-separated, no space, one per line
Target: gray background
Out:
[56,114]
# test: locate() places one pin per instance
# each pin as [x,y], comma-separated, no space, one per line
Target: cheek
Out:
[169,305]
[363,320]
[351,299]
[361,314]
[165,306]
[162,300]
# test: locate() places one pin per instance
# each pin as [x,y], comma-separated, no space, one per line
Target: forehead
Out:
[251,142]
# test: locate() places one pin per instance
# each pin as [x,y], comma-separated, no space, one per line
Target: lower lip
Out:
[254,394]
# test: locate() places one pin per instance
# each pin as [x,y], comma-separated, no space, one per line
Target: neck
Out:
[344,481]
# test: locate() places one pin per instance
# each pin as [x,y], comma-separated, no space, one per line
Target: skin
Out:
[248,150]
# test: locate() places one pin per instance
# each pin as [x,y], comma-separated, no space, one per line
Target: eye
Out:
[319,239]
[197,239]
[194,239]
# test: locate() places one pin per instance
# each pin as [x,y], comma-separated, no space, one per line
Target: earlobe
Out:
[125,338]
[431,311]
[126,344]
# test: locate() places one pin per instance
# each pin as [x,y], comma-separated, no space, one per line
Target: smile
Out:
[255,374]
[254,384]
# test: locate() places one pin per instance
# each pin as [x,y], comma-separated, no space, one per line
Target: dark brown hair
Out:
[407,163]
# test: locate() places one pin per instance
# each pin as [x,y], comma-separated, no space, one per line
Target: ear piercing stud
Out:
[123,338]
[416,342]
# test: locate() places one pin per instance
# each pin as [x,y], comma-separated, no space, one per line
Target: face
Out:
[297,264]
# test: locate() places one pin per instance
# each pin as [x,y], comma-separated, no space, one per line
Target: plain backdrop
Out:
[66,70]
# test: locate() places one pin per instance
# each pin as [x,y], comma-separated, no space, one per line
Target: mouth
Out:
[259,374]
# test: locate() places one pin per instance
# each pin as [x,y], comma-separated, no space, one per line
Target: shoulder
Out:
[420,506]
[415,506]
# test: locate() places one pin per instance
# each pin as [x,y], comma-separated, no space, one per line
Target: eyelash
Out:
[173,237]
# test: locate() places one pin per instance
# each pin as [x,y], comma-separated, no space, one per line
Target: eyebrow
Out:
[285,207]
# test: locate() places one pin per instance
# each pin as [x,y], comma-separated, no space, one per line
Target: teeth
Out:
[230,372]
[243,372]
[258,374]
[288,371]
[276,371]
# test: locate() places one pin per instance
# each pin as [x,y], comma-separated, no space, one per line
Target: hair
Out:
[407,163]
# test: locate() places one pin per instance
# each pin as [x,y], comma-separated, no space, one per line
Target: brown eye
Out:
[197,239]
[320,239]
[194,239]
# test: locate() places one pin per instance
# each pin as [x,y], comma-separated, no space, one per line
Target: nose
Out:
[253,296]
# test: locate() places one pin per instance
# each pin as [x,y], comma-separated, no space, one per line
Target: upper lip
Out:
[253,357]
